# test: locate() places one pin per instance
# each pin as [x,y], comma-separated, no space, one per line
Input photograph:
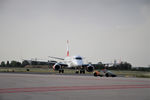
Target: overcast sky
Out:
[100,30]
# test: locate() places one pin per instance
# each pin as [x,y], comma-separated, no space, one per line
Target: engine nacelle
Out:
[57,66]
[90,68]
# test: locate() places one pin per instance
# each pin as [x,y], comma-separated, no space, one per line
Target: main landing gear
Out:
[61,70]
[82,71]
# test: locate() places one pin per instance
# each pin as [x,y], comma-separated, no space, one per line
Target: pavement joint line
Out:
[67,88]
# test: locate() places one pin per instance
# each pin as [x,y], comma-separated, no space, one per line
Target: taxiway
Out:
[71,87]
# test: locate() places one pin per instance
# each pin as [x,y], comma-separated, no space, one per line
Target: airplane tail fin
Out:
[67,48]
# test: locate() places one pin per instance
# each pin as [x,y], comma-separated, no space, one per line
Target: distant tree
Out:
[127,66]
[7,64]
[24,63]
[18,64]
[15,64]
[99,65]
[3,64]
[141,69]
[124,66]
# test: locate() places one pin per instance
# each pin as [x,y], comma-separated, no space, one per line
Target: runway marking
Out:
[71,88]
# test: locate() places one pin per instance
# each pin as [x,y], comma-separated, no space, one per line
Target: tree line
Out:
[11,64]
[14,63]
[121,66]
[98,66]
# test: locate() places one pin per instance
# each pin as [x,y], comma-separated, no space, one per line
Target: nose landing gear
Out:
[61,71]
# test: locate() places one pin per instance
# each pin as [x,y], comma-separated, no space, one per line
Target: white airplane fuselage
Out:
[74,61]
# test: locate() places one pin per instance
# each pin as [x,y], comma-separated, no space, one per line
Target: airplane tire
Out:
[59,71]
[77,72]
[81,72]
[62,71]
[95,74]
[107,75]
[84,72]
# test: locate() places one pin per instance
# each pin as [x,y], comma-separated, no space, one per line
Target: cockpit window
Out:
[78,58]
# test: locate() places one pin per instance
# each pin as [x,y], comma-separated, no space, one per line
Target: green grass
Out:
[40,70]
[141,74]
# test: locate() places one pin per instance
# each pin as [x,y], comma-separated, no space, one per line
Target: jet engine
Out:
[90,68]
[57,66]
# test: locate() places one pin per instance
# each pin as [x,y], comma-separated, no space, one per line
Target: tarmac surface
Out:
[14,86]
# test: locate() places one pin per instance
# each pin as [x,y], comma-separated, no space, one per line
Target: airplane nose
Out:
[79,63]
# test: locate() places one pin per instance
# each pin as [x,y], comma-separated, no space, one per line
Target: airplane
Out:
[72,62]
[35,61]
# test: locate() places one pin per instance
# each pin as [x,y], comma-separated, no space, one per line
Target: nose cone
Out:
[78,63]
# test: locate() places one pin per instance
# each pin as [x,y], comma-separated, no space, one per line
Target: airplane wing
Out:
[63,64]
[58,63]
[56,58]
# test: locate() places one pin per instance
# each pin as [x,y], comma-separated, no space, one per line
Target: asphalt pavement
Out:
[15,86]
